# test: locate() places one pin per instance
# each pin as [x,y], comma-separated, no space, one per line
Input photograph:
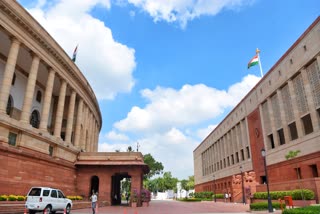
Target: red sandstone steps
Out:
[15,207]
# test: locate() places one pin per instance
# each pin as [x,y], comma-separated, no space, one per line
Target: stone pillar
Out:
[29,92]
[8,74]
[47,100]
[84,134]
[295,110]
[283,117]
[272,123]
[70,116]
[77,134]
[89,143]
[60,108]
[310,101]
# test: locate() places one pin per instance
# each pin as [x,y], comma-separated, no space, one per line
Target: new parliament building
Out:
[50,118]
[279,120]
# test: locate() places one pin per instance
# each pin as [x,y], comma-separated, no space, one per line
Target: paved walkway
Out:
[175,207]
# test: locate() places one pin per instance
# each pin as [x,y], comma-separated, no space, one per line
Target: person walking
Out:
[94,199]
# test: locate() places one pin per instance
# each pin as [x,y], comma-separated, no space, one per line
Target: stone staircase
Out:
[18,207]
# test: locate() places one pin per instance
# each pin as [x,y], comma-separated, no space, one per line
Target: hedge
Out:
[303,210]
[296,194]
[264,206]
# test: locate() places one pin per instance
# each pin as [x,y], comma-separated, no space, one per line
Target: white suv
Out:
[47,200]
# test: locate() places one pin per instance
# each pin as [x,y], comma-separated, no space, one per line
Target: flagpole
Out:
[257,52]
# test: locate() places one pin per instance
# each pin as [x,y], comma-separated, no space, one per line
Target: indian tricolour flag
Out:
[253,61]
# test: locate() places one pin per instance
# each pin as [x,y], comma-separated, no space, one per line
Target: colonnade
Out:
[82,127]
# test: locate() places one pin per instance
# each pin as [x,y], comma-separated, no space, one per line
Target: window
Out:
[271,141]
[228,158]
[314,170]
[54,194]
[9,105]
[45,192]
[35,119]
[307,124]
[12,139]
[39,96]
[60,194]
[232,159]
[248,152]
[13,79]
[263,179]
[281,137]
[293,131]
[237,157]
[298,171]
[224,163]
[51,150]
[242,155]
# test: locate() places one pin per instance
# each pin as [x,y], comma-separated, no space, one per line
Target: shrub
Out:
[190,199]
[145,195]
[12,198]
[21,198]
[203,194]
[296,194]
[264,205]
[221,196]
[78,197]
[3,197]
[135,195]
[303,210]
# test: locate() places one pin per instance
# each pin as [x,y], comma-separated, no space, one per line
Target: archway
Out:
[94,184]
[119,188]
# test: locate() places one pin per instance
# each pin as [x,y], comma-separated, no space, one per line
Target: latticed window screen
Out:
[276,111]
[287,103]
[244,132]
[314,78]
[239,133]
[300,95]
[266,118]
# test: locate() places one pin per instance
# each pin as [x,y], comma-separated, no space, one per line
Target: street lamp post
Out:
[263,153]
[214,188]
[242,183]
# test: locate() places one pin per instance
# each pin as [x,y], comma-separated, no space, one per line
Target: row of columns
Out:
[86,127]
[307,100]
[224,148]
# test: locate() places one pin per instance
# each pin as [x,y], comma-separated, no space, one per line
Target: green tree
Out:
[155,167]
[129,149]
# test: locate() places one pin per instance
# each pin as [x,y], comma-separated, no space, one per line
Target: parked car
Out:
[47,200]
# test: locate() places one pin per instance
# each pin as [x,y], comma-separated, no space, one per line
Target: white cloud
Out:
[191,105]
[114,136]
[168,126]
[107,64]
[203,133]
[182,11]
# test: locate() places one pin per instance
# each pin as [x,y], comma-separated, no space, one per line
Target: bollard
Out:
[25,211]
[64,211]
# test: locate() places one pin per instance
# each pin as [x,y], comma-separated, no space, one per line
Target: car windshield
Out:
[35,192]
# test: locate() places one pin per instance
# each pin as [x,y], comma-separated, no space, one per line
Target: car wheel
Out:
[68,209]
[47,210]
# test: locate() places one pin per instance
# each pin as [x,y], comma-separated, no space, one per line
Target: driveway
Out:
[173,207]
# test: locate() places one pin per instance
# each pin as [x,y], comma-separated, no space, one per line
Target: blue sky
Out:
[166,72]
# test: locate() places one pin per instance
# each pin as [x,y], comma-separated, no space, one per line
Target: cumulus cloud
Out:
[191,105]
[114,136]
[107,64]
[182,11]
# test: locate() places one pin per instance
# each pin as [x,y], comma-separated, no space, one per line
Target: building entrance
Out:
[120,184]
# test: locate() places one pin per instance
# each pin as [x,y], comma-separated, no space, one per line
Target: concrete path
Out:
[175,207]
